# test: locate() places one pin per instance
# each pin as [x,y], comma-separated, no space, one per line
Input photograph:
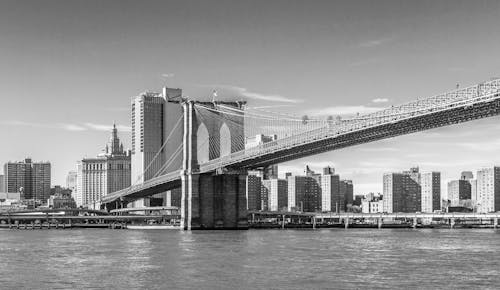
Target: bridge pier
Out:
[346,222]
[211,201]
[452,223]
[415,222]
[379,222]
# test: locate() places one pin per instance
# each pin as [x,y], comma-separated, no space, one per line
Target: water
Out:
[285,259]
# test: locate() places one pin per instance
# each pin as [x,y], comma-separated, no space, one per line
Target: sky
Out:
[69,68]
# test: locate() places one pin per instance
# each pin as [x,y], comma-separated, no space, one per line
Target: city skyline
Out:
[345,66]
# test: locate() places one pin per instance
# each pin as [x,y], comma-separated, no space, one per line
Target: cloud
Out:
[373,43]
[343,110]
[380,100]
[168,75]
[105,127]
[253,95]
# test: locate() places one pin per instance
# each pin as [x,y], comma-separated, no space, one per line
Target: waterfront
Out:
[286,259]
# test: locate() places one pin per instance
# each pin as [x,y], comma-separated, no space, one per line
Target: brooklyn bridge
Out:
[208,159]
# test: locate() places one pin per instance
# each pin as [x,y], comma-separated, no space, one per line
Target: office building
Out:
[271,171]
[346,193]
[331,198]
[458,191]
[2,183]
[108,172]
[157,128]
[402,192]
[253,192]
[488,190]
[304,192]
[430,186]
[372,204]
[276,193]
[30,179]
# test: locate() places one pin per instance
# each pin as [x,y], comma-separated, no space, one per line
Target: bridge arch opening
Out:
[202,144]
[225,140]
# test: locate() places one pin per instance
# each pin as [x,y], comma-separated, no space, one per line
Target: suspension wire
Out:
[159,151]
[169,161]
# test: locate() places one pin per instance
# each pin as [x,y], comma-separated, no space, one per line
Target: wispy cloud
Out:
[168,75]
[235,90]
[380,100]
[342,110]
[373,42]
[106,127]
[65,126]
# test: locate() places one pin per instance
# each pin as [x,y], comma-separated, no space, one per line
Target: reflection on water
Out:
[286,259]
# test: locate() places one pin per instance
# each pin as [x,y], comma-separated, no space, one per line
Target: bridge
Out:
[214,156]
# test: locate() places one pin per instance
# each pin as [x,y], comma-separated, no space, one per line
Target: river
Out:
[253,259]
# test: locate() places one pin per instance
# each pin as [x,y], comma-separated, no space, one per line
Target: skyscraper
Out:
[31,179]
[331,198]
[71,183]
[156,136]
[402,192]
[108,172]
[2,183]
[254,200]
[304,192]
[488,190]
[430,183]
[276,191]
[459,190]
[346,193]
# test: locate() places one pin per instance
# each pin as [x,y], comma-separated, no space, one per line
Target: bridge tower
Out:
[215,200]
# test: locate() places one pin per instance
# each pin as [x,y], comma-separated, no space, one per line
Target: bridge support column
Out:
[346,222]
[452,223]
[211,201]
[283,222]
[415,222]
[314,222]
[495,223]
[379,222]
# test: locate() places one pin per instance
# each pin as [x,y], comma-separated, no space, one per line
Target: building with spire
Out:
[108,172]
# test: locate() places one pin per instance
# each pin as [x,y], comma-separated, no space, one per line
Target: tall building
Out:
[156,137]
[331,198]
[156,117]
[459,190]
[106,173]
[32,180]
[488,190]
[402,192]
[254,200]
[304,192]
[276,191]
[71,183]
[2,183]
[347,192]
[430,183]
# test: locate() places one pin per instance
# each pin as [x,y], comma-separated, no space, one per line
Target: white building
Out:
[488,190]
[276,191]
[430,186]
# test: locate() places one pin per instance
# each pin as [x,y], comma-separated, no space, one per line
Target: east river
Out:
[254,259]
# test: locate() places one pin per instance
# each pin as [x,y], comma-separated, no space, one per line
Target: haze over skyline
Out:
[69,69]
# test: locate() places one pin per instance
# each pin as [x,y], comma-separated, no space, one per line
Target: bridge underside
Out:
[412,125]
[121,201]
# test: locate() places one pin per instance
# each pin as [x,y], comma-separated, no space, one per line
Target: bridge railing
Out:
[483,92]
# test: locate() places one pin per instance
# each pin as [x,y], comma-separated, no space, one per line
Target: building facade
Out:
[331,198]
[31,179]
[253,192]
[276,191]
[304,192]
[430,183]
[106,173]
[402,191]
[488,190]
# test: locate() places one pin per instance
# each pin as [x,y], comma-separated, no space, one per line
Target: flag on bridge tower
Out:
[214,95]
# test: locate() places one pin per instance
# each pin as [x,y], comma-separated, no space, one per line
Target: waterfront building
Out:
[9,200]
[459,191]
[372,204]
[402,191]
[430,186]
[331,198]
[304,192]
[347,193]
[156,137]
[488,190]
[32,180]
[276,193]
[108,172]
[253,192]
[2,183]
[60,197]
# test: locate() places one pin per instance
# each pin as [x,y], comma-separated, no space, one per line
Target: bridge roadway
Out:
[471,103]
